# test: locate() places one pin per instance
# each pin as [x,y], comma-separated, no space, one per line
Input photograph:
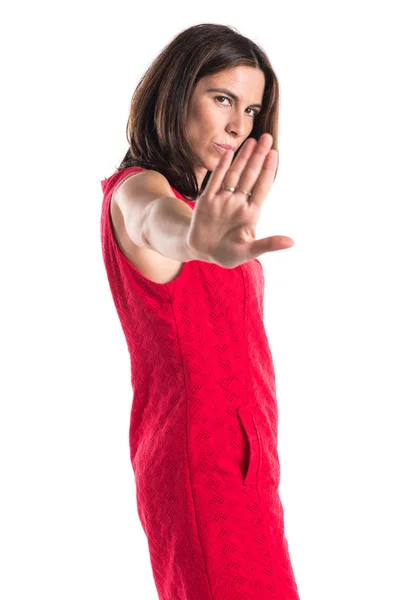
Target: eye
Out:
[226,98]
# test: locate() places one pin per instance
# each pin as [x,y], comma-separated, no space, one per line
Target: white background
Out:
[69,526]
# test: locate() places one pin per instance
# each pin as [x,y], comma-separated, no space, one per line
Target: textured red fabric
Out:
[203,426]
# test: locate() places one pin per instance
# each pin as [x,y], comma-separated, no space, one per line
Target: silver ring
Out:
[232,189]
[247,193]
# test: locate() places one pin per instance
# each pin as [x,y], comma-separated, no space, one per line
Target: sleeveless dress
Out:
[203,425]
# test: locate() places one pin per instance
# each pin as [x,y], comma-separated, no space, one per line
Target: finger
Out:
[270,244]
[265,179]
[220,173]
[254,166]
[239,164]
[217,176]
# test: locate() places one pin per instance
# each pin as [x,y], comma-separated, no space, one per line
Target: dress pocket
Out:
[253,459]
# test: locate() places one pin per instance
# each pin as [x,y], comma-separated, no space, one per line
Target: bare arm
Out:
[165,229]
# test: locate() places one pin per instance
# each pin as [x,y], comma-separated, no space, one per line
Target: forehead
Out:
[247,83]
[242,79]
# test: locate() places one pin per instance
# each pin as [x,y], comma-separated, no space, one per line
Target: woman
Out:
[178,238]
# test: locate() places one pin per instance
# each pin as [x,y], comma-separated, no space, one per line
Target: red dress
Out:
[203,425]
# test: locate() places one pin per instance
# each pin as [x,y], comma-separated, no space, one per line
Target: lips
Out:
[226,146]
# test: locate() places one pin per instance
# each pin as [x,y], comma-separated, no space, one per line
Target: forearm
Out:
[166,229]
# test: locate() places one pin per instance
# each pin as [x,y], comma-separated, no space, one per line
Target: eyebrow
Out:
[229,93]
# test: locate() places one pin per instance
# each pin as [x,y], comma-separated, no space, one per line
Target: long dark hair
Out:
[156,125]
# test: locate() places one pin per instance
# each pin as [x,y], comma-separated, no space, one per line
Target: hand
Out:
[223,222]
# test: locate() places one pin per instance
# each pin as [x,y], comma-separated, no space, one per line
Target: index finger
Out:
[218,175]
[265,179]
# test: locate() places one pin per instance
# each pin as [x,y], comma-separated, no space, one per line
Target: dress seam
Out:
[244,328]
[258,439]
[187,449]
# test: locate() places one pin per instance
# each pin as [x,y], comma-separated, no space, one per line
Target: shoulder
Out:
[147,180]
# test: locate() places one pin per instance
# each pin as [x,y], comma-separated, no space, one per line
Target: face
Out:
[216,117]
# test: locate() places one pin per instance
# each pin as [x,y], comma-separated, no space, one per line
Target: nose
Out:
[237,125]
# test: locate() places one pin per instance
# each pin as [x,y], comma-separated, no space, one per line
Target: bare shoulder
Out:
[142,182]
[130,200]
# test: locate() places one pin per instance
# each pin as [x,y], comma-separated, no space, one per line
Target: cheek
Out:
[204,124]
[206,113]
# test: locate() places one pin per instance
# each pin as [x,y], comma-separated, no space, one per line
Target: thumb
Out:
[270,244]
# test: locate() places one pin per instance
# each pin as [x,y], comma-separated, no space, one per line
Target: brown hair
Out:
[156,125]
